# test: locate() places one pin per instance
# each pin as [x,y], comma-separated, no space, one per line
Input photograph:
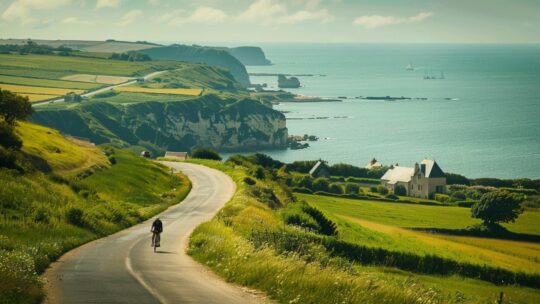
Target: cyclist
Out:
[157,228]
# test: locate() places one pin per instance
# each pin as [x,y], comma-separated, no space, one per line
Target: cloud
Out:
[269,12]
[107,3]
[202,15]
[374,21]
[22,9]
[130,17]
[73,20]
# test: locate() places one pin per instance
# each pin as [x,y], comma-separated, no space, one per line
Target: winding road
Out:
[104,89]
[122,268]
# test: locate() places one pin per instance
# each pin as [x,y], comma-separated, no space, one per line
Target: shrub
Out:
[382,190]
[250,181]
[456,179]
[352,188]
[204,153]
[335,188]
[400,190]
[259,173]
[497,206]
[392,196]
[8,138]
[74,216]
[320,184]
[302,190]
[304,181]
[443,198]
[373,189]
[458,196]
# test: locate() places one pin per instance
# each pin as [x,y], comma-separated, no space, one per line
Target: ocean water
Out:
[482,120]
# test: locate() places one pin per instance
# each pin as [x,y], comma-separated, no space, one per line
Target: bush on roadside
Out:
[382,190]
[204,153]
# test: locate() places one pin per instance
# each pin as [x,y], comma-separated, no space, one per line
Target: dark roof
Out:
[320,165]
[432,169]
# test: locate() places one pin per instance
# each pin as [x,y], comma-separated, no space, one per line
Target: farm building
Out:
[177,155]
[423,181]
[374,163]
[320,169]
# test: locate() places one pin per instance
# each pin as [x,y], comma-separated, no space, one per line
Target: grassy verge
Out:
[265,239]
[45,214]
[224,245]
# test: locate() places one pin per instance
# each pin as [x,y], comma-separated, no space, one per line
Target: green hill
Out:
[67,192]
[210,56]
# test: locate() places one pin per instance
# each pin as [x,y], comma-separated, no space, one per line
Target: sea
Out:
[481,120]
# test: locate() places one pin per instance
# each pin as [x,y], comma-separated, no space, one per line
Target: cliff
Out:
[226,125]
[250,55]
[211,56]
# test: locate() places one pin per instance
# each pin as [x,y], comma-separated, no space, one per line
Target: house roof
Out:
[176,154]
[432,168]
[398,174]
[319,165]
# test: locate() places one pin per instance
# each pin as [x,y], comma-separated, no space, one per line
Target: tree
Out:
[497,206]
[13,107]
[400,190]
[382,190]
[204,153]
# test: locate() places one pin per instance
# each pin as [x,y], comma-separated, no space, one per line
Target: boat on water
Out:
[409,67]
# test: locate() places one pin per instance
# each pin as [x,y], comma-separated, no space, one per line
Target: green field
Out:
[55,67]
[257,241]
[69,193]
[46,82]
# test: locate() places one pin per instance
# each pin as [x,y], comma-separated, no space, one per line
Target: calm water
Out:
[490,127]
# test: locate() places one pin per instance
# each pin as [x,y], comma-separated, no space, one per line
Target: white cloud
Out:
[374,21]
[202,15]
[130,17]
[107,3]
[22,9]
[270,12]
[73,20]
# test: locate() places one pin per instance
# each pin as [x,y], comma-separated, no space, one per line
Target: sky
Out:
[270,21]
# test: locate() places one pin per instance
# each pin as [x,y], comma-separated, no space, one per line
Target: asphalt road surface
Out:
[122,268]
[105,89]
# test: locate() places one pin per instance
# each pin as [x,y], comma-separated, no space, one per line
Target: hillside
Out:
[67,192]
[312,248]
[250,55]
[208,55]
[224,124]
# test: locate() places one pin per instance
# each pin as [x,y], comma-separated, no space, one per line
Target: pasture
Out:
[55,67]
[380,224]
[102,79]
[16,80]
[38,93]
[133,89]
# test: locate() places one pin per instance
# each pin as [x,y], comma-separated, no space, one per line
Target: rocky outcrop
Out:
[288,83]
[208,121]
[211,56]
[250,55]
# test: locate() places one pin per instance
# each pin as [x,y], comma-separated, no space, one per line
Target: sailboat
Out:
[409,67]
[442,75]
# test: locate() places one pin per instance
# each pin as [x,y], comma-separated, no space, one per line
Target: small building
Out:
[320,169]
[423,181]
[72,97]
[177,155]
[374,163]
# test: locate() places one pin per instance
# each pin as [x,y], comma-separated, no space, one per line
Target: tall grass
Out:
[45,215]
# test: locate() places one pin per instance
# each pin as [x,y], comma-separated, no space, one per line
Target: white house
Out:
[423,181]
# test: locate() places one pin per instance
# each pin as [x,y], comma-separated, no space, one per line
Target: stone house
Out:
[320,169]
[423,181]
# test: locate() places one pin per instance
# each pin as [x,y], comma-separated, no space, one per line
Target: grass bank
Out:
[71,193]
[268,239]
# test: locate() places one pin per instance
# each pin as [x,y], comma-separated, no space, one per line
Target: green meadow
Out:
[70,192]
[268,239]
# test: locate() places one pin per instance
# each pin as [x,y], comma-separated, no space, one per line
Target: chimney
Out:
[423,168]
[416,168]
